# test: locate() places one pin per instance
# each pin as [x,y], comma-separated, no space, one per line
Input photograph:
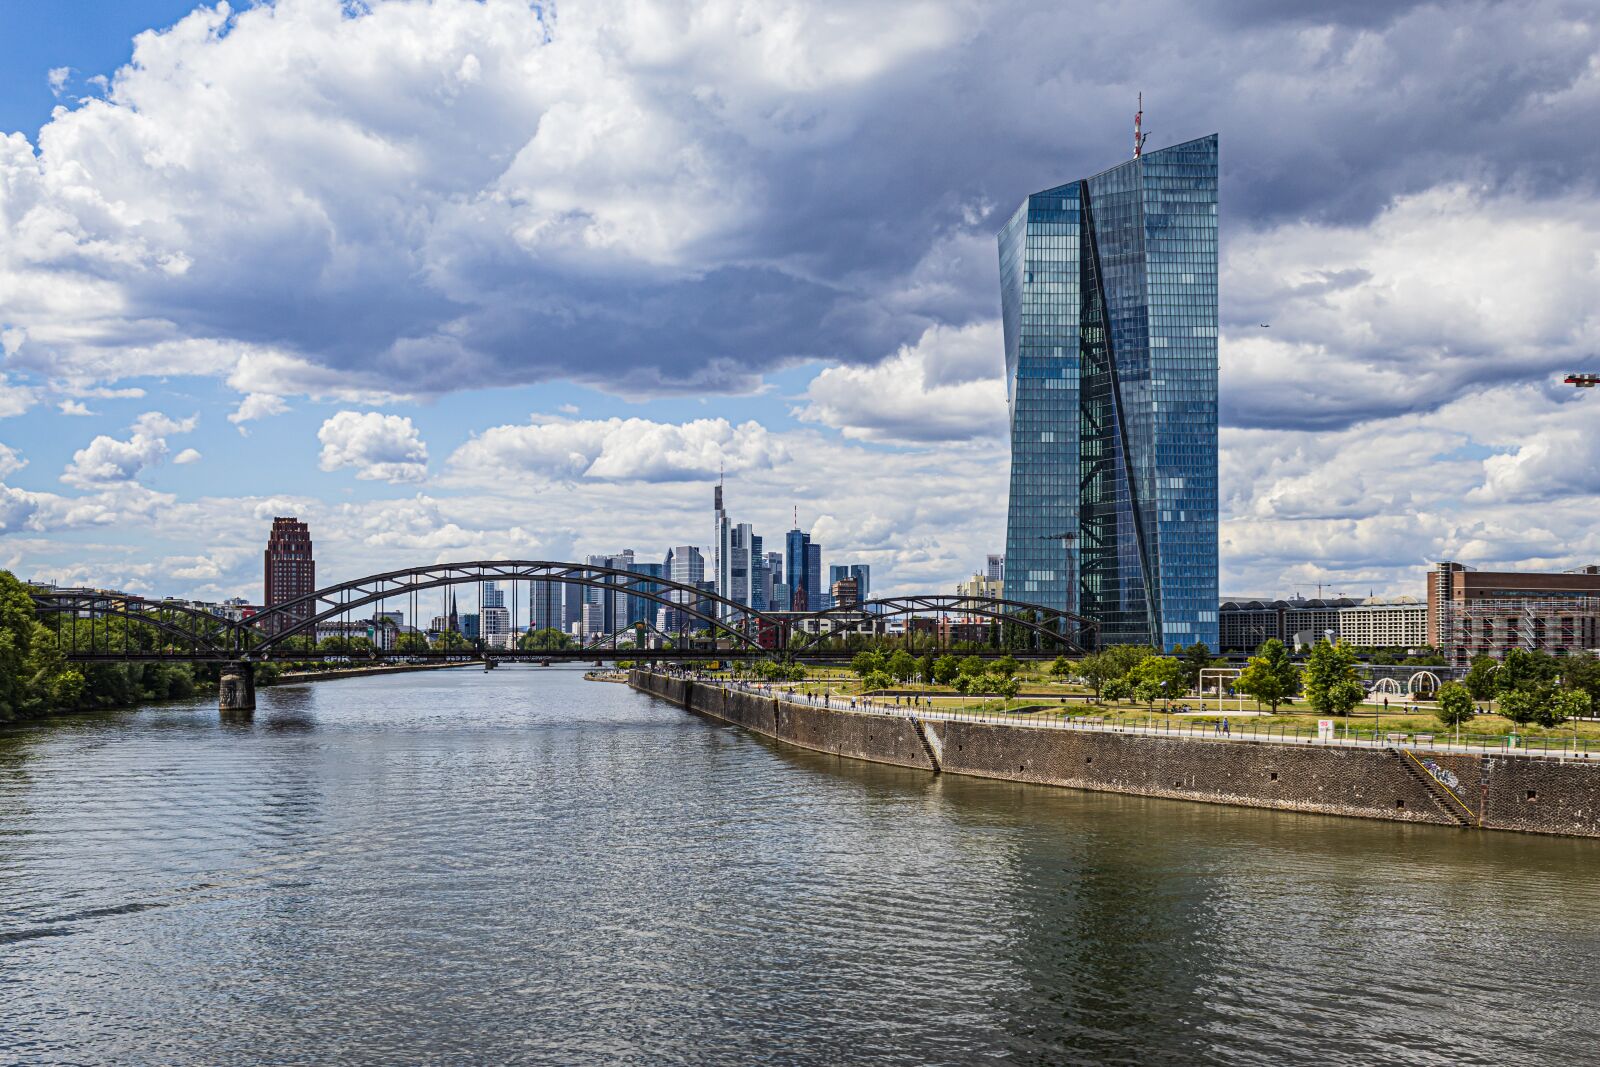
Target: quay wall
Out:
[1504,792]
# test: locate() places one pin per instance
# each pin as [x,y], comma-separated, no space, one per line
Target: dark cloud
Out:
[684,220]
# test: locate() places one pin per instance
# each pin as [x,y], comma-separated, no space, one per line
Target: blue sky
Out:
[453,278]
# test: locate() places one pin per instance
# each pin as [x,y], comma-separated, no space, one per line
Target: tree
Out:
[1007,688]
[450,641]
[1158,675]
[925,668]
[1480,677]
[1097,670]
[1330,678]
[16,639]
[546,639]
[1455,704]
[1270,677]
[1195,658]
[409,642]
[1565,704]
[1521,706]
[1582,672]
[902,665]
[1006,666]
[874,680]
[972,665]
[1061,667]
[1522,669]
[945,669]
[864,663]
[1116,689]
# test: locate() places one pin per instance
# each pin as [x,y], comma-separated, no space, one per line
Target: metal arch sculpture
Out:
[1423,683]
[136,609]
[265,630]
[997,609]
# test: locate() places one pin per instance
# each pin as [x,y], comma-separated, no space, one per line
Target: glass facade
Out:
[1109,303]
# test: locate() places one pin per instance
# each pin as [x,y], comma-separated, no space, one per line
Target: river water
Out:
[521,866]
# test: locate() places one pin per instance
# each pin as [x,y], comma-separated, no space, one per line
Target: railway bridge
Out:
[94,626]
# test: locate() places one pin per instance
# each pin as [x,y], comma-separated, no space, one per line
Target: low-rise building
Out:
[1473,613]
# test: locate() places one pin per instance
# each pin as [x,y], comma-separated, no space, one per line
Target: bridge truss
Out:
[104,626]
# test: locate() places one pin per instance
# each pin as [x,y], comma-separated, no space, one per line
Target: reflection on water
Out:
[520,866]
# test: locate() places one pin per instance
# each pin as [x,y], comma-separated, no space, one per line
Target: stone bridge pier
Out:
[236,691]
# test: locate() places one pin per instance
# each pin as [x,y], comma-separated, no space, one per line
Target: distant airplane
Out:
[1266,325]
[1582,381]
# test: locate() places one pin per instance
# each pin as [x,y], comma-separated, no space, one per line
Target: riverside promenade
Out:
[1407,779]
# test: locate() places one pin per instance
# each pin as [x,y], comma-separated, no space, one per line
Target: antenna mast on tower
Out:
[1139,138]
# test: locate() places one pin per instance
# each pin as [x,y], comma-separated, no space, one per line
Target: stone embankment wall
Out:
[1535,795]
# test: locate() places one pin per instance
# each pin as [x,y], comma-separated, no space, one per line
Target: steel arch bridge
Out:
[177,631]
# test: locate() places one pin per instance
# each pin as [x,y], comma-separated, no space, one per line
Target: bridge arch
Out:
[995,609]
[292,618]
[160,615]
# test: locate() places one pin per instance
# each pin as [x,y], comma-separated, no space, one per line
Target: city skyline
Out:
[1404,281]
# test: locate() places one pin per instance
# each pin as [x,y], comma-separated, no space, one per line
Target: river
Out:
[521,866]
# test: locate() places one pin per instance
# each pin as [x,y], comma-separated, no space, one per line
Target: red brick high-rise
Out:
[291,572]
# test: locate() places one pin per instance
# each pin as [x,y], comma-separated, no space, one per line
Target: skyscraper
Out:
[796,545]
[1108,292]
[290,569]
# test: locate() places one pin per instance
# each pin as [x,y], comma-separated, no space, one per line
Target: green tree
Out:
[1097,670]
[1196,658]
[1061,668]
[1007,687]
[1006,666]
[545,639]
[1455,704]
[902,666]
[972,665]
[1565,704]
[1270,677]
[1480,677]
[1582,672]
[875,680]
[1522,669]
[450,641]
[1522,706]
[17,634]
[1161,676]
[1116,689]
[409,642]
[925,668]
[1330,679]
[945,669]
[865,663]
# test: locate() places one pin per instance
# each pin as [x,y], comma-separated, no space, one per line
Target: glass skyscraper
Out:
[1108,291]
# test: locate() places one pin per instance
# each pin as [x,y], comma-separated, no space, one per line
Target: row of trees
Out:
[36,679]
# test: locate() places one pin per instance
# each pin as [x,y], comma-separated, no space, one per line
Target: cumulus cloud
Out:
[188,455]
[74,407]
[406,198]
[15,399]
[619,450]
[108,461]
[950,385]
[11,460]
[256,406]
[1445,291]
[378,447]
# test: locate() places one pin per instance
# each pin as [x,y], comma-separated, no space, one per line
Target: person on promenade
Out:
[1227,728]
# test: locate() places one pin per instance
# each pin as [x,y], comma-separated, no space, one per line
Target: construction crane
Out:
[1582,381]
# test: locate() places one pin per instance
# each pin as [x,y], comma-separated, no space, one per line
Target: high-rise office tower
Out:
[1109,302]
[546,606]
[289,566]
[797,543]
[721,544]
[997,568]
[821,598]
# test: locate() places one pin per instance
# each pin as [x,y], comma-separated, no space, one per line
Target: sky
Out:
[464,279]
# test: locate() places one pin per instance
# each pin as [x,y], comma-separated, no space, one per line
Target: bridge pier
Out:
[236,692]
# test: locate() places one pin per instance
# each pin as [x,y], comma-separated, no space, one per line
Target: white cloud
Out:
[188,455]
[74,407]
[11,460]
[619,450]
[107,461]
[257,406]
[950,385]
[379,447]
[58,77]
[1445,291]
[15,399]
